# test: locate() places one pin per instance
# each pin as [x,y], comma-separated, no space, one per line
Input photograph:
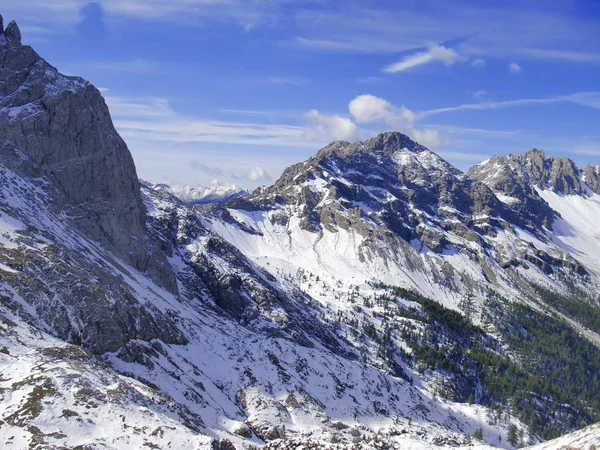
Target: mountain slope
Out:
[552,184]
[413,221]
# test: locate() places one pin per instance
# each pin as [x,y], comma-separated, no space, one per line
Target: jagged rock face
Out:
[565,177]
[62,125]
[509,179]
[591,175]
[389,180]
[534,168]
[514,179]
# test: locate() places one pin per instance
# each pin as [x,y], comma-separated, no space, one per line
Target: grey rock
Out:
[63,126]
[564,177]
[592,177]
[12,32]
[516,177]
[1,24]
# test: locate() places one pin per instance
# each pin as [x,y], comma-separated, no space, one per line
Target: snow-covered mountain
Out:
[202,195]
[373,297]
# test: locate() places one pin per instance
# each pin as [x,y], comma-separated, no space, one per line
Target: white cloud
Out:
[478,62]
[368,109]
[479,95]
[434,53]
[258,174]
[514,68]
[152,120]
[330,127]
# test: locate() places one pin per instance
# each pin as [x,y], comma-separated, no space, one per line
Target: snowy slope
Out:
[577,229]
[585,439]
[58,395]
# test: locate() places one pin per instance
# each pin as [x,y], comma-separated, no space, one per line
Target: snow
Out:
[577,230]
[217,193]
[507,199]
[585,439]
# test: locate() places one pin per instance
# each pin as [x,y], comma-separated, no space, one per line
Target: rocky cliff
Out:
[62,126]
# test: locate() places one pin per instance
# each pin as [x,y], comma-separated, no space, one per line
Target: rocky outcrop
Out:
[389,180]
[565,177]
[514,182]
[591,175]
[532,168]
[12,32]
[63,127]
[514,178]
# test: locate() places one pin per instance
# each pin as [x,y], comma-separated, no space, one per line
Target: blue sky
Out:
[237,90]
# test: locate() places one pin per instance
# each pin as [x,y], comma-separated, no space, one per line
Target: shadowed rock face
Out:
[63,126]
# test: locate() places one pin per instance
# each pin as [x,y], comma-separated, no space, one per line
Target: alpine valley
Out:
[374,297]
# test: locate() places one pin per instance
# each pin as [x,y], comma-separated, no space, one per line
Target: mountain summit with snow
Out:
[374,297]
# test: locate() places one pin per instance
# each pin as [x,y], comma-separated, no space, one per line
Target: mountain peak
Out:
[384,143]
[391,141]
[12,32]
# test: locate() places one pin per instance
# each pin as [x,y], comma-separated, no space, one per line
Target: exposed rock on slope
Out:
[591,176]
[62,126]
[409,217]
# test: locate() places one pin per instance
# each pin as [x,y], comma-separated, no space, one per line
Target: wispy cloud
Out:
[590,99]
[478,62]
[434,53]
[370,80]
[514,68]
[587,149]
[213,171]
[136,65]
[479,95]
[551,54]
[283,80]
[153,119]
[481,27]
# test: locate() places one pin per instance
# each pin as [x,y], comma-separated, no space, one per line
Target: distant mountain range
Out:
[201,195]
[373,297]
